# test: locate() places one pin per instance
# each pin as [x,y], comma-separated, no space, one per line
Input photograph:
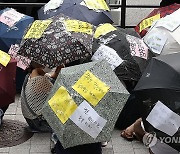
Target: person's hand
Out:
[56,73]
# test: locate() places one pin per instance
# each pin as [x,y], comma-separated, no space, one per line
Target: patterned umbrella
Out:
[92,11]
[127,54]
[156,14]
[85,103]
[57,40]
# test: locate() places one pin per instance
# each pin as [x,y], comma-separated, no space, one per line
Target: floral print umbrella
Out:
[58,40]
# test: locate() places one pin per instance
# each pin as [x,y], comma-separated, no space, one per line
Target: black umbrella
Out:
[127,47]
[160,82]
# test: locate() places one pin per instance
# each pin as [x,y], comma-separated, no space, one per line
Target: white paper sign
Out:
[155,41]
[88,119]
[52,4]
[10,17]
[22,62]
[170,22]
[109,54]
[164,119]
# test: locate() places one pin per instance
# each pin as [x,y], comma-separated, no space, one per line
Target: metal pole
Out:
[123,13]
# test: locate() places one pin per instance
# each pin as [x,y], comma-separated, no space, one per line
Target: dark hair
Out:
[32,66]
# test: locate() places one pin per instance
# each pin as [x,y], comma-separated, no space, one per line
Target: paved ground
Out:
[40,143]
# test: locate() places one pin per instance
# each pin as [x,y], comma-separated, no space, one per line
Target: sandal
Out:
[128,137]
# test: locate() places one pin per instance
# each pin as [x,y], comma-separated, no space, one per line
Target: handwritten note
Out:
[52,4]
[22,62]
[148,22]
[37,29]
[104,29]
[4,58]
[164,119]
[10,17]
[155,41]
[170,22]
[91,88]
[137,47]
[88,119]
[109,54]
[96,4]
[62,104]
[78,26]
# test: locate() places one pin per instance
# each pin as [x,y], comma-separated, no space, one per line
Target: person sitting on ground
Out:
[34,92]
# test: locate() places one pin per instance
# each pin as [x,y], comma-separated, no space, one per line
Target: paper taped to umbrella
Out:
[143,27]
[22,62]
[58,40]
[85,103]
[4,58]
[127,54]
[12,27]
[164,119]
[162,38]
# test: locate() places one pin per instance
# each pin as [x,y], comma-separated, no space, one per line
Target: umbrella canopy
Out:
[160,83]
[91,98]
[12,27]
[132,51]
[163,37]
[57,40]
[7,83]
[156,14]
[92,11]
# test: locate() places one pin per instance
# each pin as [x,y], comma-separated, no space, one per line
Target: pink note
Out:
[22,62]
[10,17]
[137,47]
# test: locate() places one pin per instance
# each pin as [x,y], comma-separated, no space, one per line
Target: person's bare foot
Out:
[128,133]
[138,130]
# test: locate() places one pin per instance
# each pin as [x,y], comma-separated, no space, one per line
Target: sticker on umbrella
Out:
[88,119]
[156,41]
[105,52]
[62,104]
[52,4]
[148,22]
[96,4]
[78,26]
[10,17]
[91,88]
[104,29]
[22,62]
[164,119]
[37,29]
[137,47]
[4,58]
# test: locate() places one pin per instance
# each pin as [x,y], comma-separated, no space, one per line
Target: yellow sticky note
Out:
[37,29]
[4,58]
[78,26]
[96,4]
[148,22]
[91,88]
[62,104]
[104,29]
